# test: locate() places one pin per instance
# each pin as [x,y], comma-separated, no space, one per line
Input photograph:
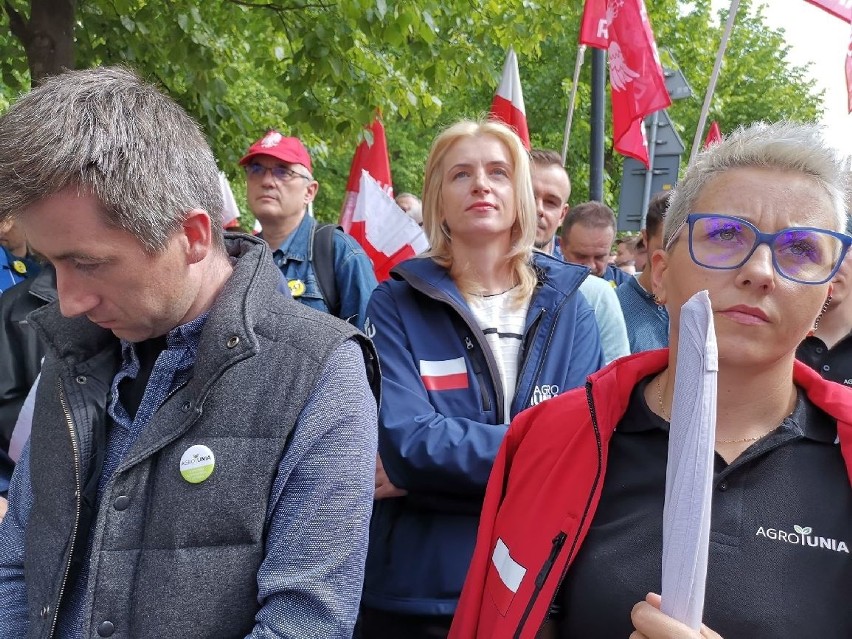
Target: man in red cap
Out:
[280,186]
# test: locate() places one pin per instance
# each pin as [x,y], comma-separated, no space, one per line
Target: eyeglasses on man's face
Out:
[802,254]
[279,172]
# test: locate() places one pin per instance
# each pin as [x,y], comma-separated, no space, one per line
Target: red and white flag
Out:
[594,30]
[714,135]
[509,575]
[373,158]
[637,83]
[230,210]
[447,374]
[387,235]
[841,9]
[508,103]
[849,73]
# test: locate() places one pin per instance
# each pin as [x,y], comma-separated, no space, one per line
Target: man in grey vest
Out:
[202,454]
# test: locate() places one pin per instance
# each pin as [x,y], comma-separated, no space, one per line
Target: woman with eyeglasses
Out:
[468,335]
[570,541]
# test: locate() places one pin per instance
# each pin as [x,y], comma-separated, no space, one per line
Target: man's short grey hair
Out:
[108,134]
[786,146]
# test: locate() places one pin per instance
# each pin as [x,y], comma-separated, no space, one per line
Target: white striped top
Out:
[502,322]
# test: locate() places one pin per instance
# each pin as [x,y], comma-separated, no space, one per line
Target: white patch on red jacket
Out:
[511,574]
[448,374]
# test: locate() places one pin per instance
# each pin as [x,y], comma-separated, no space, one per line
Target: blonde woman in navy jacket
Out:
[468,336]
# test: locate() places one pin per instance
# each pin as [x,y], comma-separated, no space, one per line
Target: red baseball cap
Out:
[274,144]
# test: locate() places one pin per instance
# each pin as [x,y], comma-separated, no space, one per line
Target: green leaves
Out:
[320,70]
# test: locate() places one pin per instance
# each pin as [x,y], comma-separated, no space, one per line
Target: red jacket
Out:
[545,487]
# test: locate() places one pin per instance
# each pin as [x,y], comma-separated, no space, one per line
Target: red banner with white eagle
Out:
[637,83]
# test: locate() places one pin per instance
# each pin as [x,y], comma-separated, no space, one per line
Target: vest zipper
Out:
[558,543]
[75,447]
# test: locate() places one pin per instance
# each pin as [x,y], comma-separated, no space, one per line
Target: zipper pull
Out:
[468,343]
[557,543]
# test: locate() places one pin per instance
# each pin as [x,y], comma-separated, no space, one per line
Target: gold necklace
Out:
[660,398]
[718,441]
[741,441]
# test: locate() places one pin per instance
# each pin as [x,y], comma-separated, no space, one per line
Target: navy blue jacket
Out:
[440,444]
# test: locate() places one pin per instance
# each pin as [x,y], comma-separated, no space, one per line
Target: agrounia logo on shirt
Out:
[543,392]
[803,536]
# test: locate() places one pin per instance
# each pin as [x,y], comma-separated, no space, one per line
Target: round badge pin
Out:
[297,288]
[197,464]
[19,266]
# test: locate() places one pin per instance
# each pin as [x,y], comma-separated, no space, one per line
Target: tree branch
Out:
[277,7]
[17,25]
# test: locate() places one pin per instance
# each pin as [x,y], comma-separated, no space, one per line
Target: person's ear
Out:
[197,235]
[659,271]
[311,192]
[565,209]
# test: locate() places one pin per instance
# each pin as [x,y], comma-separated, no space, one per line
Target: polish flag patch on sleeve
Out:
[447,374]
[504,578]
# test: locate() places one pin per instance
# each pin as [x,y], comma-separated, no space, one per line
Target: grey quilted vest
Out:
[171,558]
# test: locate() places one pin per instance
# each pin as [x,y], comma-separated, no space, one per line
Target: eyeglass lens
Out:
[808,255]
[278,172]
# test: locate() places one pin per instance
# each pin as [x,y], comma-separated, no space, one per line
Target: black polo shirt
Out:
[781,533]
[833,363]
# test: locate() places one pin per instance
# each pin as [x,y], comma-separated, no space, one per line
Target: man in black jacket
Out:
[21,352]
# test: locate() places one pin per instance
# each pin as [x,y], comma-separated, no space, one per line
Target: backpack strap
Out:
[322,259]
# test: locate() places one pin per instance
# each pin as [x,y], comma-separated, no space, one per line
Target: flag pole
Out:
[569,118]
[708,96]
[649,174]
[596,138]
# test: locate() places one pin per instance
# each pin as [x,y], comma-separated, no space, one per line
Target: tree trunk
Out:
[48,36]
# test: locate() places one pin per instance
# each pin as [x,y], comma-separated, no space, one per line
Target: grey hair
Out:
[791,146]
[108,134]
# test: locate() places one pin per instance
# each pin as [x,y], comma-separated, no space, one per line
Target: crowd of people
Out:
[213,434]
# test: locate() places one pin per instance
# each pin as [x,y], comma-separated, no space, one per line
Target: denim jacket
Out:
[16,269]
[352,268]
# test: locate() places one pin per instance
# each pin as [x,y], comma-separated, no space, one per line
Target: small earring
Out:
[819,317]
[657,300]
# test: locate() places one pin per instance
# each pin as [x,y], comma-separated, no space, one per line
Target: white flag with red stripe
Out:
[447,374]
[371,156]
[508,103]
[383,230]
[230,210]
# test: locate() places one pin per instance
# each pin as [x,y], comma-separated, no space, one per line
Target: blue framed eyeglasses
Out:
[806,255]
[280,173]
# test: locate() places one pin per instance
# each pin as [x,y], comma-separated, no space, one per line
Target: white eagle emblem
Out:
[619,73]
[271,139]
